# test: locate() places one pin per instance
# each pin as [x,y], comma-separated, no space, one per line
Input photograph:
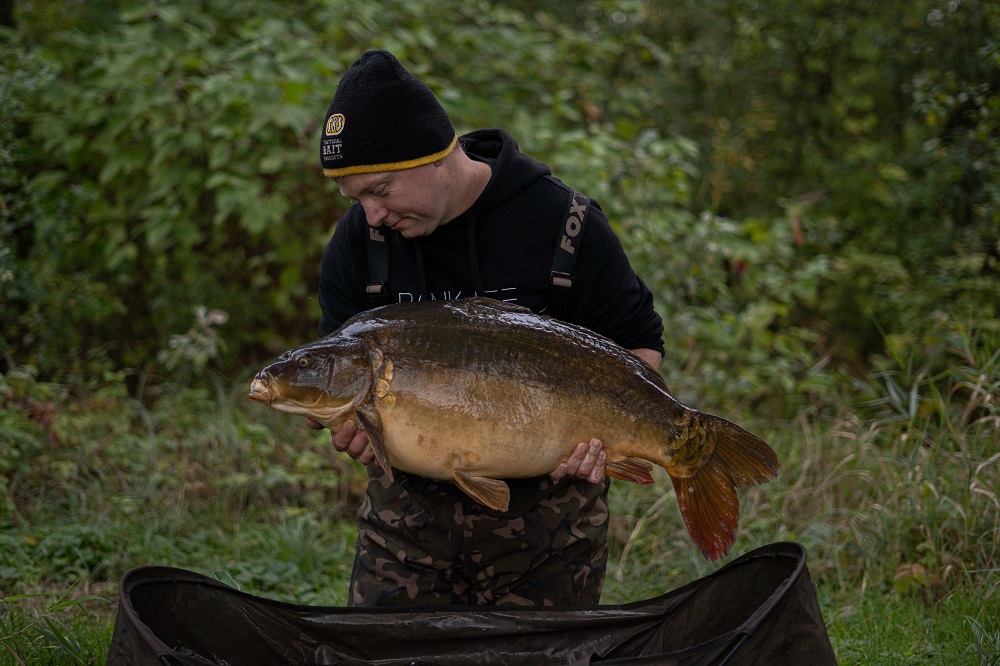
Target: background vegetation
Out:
[810,189]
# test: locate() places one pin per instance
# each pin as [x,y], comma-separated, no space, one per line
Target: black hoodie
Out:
[502,247]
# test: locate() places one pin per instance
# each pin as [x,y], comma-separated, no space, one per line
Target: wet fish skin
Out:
[476,391]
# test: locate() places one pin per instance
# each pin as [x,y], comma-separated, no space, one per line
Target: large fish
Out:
[475,391]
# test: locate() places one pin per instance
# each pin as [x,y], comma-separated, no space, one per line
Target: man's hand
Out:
[586,462]
[349,440]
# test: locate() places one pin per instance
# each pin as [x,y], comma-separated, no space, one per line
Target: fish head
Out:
[326,380]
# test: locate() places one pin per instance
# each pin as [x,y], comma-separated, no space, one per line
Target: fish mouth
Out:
[303,400]
[260,391]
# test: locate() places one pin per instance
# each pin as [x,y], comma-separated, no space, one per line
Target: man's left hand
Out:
[586,462]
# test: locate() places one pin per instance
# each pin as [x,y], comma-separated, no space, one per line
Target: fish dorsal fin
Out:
[485,301]
[494,493]
[630,469]
[371,425]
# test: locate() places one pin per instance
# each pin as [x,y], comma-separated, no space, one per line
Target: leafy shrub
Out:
[172,186]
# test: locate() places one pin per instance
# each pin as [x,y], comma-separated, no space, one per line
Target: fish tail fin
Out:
[707,498]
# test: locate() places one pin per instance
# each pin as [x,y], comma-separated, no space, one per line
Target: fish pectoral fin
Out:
[371,425]
[630,469]
[494,493]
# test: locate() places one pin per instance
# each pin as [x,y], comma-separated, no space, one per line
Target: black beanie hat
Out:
[382,118]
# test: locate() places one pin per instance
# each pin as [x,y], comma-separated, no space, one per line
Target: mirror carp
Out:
[475,391]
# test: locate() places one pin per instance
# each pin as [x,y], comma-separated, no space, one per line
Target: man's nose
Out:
[374,213]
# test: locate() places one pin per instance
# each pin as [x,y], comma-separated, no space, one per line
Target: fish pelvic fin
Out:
[630,469]
[371,424]
[707,498]
[493,493]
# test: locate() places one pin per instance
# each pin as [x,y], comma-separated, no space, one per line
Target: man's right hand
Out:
[349,440]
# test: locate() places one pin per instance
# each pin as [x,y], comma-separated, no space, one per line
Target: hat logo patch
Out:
[335,124]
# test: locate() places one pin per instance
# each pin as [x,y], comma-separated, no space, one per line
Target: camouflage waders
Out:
[422,541]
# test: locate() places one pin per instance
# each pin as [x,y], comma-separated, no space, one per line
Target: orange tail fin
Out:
[707,500]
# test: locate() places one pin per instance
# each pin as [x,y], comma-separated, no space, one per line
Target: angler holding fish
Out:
[478,419]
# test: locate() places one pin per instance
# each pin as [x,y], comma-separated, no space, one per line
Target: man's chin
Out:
[413,228]
[407,231]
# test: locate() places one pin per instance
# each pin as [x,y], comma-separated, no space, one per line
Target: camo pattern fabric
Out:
[422,541]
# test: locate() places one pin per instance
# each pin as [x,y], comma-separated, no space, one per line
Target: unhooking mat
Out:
[759,609]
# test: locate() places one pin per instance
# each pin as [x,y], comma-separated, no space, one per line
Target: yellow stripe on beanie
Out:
[391,166]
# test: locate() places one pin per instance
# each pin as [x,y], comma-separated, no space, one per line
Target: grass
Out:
[896,501]
[960,628]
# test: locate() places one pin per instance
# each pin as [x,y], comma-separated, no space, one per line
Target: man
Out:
[452,218]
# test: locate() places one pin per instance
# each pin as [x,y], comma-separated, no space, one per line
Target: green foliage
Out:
[193,350]
[20,75]
[876,120]
[168,153]
[912,476]
[891,631]
[181,471]
[733,294]
[64,631]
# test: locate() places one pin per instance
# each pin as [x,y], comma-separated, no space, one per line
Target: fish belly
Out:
[516,433]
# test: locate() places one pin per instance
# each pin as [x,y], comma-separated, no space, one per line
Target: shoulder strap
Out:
[377,289]
[559,289]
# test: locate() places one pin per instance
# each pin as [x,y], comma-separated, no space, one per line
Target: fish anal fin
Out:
[493,493]
[371,425]
[630,469]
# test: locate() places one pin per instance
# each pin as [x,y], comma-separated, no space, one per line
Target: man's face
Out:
[414,202]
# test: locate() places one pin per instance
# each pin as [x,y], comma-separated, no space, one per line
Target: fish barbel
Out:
[475,391]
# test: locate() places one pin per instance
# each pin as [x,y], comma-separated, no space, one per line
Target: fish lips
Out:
[260,390]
